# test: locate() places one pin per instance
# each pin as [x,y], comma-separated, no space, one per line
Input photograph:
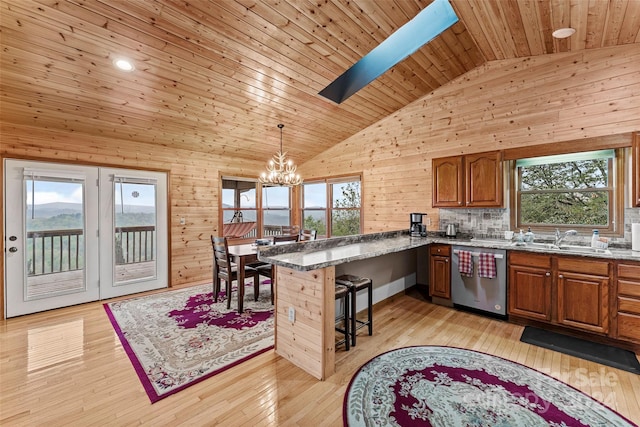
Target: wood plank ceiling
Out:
[218,76]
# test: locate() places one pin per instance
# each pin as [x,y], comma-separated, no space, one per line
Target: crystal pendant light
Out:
[280,171]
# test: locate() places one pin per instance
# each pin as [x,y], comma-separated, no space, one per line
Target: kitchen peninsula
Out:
[305,276]
[304,295]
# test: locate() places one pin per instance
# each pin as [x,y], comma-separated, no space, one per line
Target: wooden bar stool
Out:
[356,284]
[342,293]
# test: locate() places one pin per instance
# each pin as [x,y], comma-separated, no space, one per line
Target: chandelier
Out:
[280,171]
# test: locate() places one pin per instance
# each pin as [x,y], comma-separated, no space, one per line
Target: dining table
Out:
[242,255]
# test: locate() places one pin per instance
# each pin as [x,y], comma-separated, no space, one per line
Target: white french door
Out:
[67,233]
[133,219]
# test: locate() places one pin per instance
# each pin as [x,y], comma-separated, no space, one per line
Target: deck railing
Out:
[55,251]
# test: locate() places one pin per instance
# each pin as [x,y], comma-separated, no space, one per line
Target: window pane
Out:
[315,220]
[569,175]
[238,194]
[565,208]
[274,220]
[345,222]
[315,196]
[346,194]
[275,198]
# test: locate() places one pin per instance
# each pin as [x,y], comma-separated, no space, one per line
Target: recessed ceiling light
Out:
[124,64]
[563,33]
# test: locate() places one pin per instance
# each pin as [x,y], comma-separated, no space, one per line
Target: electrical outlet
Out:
[183,221]
[292,314]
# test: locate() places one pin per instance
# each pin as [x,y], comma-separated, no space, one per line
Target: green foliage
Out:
[312,223]
[345,217]
[568,193]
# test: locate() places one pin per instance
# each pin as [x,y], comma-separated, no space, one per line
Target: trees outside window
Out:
[343,216]
[573,190]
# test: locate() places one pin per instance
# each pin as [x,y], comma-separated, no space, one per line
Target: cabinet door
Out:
[440,271]
[484,179]
[583,301]
[530,292]
[448,182]
[635,167]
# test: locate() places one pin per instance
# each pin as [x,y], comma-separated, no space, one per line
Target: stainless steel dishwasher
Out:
[480,293]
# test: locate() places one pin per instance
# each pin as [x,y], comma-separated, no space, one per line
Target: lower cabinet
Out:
[561,290]
[530,285]
[440,271]
[628,302]
[583,294]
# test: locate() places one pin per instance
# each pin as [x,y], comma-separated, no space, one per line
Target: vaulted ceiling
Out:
[218,76]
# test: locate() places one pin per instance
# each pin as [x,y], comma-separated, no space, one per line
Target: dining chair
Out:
[290,230]
[224,269]
[307,234]
[266,270]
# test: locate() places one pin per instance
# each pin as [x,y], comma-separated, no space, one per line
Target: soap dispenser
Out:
[529,236]
[594,238]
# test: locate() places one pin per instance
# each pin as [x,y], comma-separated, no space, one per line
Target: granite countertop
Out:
[313,255]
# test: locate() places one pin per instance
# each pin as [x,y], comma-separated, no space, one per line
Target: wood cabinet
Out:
[635,169]
[583,294]
[530,285]
[440,271]
[628,302]
[561,290]
[448,182]
[474,180]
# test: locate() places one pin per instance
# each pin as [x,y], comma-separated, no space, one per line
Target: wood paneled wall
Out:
[500,105]
[193,184]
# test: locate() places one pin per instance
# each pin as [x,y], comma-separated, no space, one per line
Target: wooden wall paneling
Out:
[458,118]
[308,342]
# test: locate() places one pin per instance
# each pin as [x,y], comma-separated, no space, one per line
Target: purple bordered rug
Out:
[178,338]
[449,387]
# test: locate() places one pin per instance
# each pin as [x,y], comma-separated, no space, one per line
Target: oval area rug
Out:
[449,386]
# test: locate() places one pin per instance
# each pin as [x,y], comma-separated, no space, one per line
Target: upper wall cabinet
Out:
[635,168]
[474,180]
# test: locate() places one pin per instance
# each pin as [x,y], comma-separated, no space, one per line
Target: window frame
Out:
[329,208]
[615,191]
[258,209]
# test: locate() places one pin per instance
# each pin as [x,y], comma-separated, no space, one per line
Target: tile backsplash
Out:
[491,223]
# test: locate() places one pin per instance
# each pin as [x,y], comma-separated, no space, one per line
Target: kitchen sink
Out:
[584,250]
[566,248]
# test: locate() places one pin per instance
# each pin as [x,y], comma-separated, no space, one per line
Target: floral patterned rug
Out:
[448,386]
[175,339]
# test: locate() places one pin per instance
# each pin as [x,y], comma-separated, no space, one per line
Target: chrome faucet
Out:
[560,237]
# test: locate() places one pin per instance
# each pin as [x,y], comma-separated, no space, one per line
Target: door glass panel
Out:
[135,231]
[55,230]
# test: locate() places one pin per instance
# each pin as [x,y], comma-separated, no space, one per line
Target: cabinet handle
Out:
[560,276]
[548,274]
[446,260]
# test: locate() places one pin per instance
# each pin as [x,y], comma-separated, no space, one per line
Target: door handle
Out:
[13,238]
[13,249]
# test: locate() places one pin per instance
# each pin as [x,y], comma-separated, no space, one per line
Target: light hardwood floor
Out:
[66,367]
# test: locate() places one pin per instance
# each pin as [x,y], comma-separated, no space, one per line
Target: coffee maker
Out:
[417,228]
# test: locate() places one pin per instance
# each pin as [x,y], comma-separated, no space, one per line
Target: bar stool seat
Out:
[342,292]
[356,284]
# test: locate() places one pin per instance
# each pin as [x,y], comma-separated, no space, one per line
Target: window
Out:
[246,201]
[340,218]
[568,191]
[276,209]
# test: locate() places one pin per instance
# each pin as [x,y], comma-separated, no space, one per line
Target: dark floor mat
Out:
[595,352]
